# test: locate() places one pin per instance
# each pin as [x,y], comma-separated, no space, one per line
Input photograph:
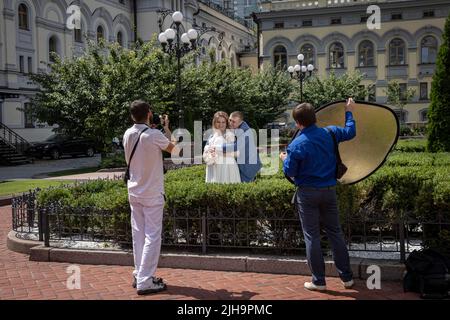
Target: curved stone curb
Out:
[5,201]
[20,245]
[390,270]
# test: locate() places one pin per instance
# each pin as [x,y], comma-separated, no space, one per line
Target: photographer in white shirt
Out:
[146,193]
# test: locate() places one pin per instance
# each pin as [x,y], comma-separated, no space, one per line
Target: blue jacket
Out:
[248,159]
[311,160]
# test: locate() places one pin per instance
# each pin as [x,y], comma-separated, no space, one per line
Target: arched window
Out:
[280,57]
[397,52]
[402,115]
[308,51]
[100,33]
[222,56]
[23,17]
[120,38]
[337,55]
[52,48]
[366,54]
[424,115]
[429,49]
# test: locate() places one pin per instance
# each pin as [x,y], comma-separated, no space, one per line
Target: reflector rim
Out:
[393,144]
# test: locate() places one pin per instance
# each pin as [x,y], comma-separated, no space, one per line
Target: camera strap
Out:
[134,148]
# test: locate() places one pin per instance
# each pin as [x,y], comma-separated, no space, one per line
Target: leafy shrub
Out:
[116,160]
[411,145]
[415,183]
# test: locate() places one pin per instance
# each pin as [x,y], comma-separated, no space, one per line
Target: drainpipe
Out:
[135,20]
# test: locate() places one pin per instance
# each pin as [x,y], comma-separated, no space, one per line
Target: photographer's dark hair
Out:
[139,110]
[304,114]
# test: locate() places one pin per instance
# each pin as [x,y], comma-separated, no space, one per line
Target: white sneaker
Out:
[313,287]
[348,284]
[152,286]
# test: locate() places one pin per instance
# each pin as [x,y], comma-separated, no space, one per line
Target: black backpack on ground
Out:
[427,273]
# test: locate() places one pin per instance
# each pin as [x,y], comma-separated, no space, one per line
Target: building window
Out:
[403,88]
[120,38]
[397,16]
[429,49]
[122,1]
[21,64]
[401,114]
[397,52]
[280,57]
[100,33]
[30,65]
[372,93]
[424,115]
[23,17]
[278,25]
[366,54]
[424,91]
[336,21]
[29,117]
[52,48]
[336,55]
[428,14]
[77,35]
[307,23]
[308,51]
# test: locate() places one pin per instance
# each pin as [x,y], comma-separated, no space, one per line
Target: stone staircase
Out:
[12,147]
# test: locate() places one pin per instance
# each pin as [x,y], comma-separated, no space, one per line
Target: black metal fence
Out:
[207,230]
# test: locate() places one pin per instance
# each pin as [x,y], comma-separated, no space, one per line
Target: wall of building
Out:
[47,19]
[412,29]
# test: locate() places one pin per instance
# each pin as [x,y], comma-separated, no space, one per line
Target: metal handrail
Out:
[13,139]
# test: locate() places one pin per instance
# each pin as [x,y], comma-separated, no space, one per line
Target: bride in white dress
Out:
[220,167]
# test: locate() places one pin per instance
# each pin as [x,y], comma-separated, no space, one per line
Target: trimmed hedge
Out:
[411,145]
[414,183]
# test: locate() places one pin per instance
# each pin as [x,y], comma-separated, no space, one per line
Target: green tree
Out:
[398,98]
[319,91]
[89,95]
[273,91]
[439,112]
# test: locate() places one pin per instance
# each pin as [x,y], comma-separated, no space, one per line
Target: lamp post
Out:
[177,44]
[301,72]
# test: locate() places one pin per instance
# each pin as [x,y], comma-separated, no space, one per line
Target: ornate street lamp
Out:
[301,72]
[177,44]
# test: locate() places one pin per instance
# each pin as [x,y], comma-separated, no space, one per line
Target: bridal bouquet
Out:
[210,156]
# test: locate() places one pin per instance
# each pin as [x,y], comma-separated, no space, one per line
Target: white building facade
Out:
[31,29]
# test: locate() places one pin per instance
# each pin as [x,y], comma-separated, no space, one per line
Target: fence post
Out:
[204,233]
[401,227]
[46,225]
[40,225]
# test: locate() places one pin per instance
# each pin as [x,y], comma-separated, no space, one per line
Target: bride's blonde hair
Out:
[217,115]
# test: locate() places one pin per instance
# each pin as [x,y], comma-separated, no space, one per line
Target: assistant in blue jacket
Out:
[311,159]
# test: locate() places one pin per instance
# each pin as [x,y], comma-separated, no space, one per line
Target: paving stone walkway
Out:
[24,279]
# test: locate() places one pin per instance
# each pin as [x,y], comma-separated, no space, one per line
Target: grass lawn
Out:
[9,187]
[72,172]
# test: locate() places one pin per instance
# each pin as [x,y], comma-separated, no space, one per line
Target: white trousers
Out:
[146,225]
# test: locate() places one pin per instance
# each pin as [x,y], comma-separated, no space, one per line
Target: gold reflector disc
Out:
[377,131]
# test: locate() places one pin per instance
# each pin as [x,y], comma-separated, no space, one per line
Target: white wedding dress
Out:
[221,167]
